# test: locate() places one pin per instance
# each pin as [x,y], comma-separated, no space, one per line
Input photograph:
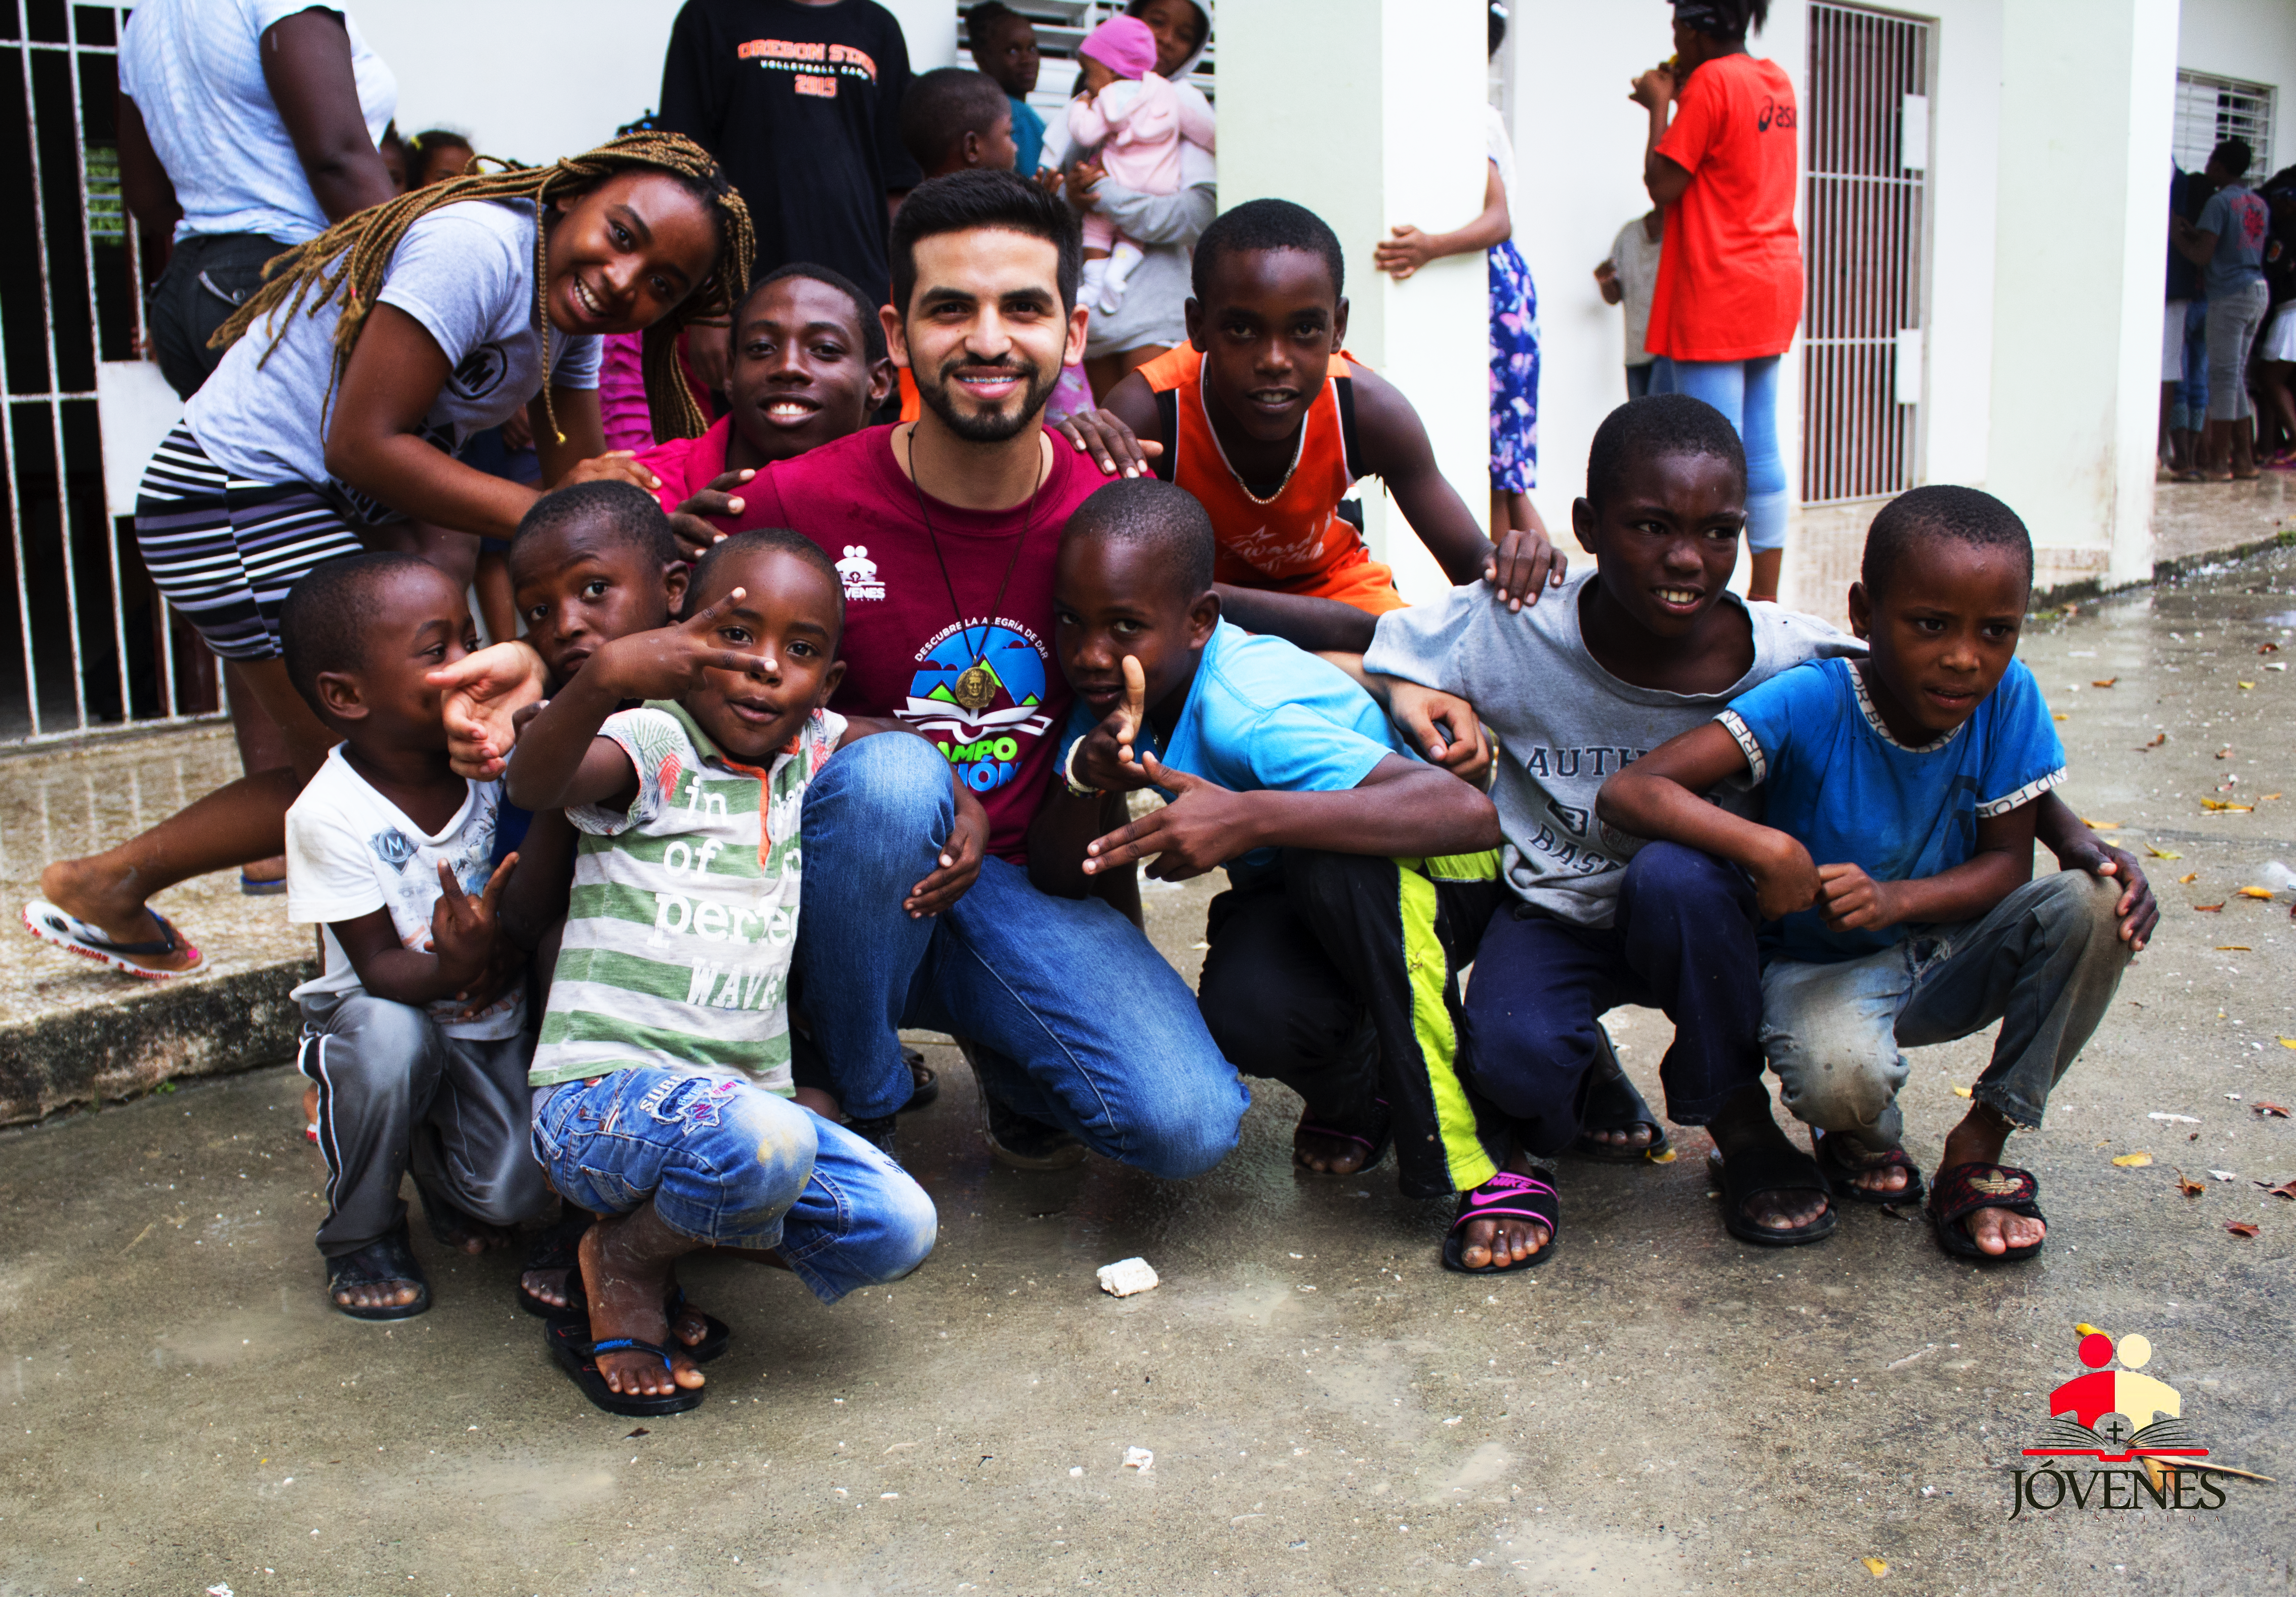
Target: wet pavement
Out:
[1659,1408]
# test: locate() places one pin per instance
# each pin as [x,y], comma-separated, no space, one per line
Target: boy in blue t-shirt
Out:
[1280,766]
[1916,778]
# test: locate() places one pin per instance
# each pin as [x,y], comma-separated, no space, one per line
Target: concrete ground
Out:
[1658,1410]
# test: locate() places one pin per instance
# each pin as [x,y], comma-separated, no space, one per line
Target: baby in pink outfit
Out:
[1138,120]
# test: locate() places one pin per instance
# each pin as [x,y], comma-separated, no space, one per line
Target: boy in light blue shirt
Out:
[1915,777]
[1338,840]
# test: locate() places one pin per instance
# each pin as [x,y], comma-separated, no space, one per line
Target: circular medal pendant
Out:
[976,687]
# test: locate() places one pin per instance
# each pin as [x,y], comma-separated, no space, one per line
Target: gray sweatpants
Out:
[2233,318]
[394,1090]
[2045,964]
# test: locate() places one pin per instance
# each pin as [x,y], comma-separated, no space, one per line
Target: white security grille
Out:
[2212,109]
[1864,207]
[95,646]
[1061,27]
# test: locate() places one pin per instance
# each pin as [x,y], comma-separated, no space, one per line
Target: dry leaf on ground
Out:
[2286,1189]
[2224,753]
[1961,1092]
[2265,1106]
[2240,1228]
[2256,892]
[1875,1566]
[2158,739]
[2188,1186]
[2103,682]
[2207,909]
[2162,853]
[2100,825]
[2188,878]
[2268,648]
[2234,948]
[2246,685]
[2133,1161]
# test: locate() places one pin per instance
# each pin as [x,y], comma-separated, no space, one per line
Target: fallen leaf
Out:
[2103,682]
[1875,1566]
[2268,799]
[2084,1328]
[2256,892]
[2207,909]
[2100,825]
[2188,1186]
[2268,648]
[2224,753]
[2060,718]
[2240,1228]
[2158,739]
[2162,853]
[1961,1092]
[640,1431]
[2246,685]
[2288,1042]
[2133,1161]
[2219,804]
[2188,877]
[2265,1106]
[2234,948]
[2286,1189]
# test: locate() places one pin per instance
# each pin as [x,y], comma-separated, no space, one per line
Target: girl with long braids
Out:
[368,358]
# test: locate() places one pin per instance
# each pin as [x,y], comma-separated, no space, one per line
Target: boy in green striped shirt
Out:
[662,1077]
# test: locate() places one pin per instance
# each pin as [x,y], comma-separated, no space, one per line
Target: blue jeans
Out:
[1747,392]
[2190,413]
[1081,1023]
[729,1164]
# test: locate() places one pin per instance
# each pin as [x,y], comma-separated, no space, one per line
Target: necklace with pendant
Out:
[976,684]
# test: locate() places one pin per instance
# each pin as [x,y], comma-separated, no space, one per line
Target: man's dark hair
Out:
[997,201]
[622,512]
[2232,158]
[865,314]
[1655,425]
[329,614]
[986,15]
[1727,19]
[1940,511]
[1161,517]
[1260,225]
[940,107]
[762,540]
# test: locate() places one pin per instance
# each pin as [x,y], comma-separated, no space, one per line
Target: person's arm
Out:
[1402,807]
[1658,797]
[1409,249]
[145,187]
[1179,218]
[307,65]
[958,867]
[2188,240]
[1607,283]
[1396,450]
[479,696]
[2078,848]
[1663,177]
[462,944]
[1063,827]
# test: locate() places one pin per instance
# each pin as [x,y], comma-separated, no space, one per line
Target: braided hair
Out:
[345,265]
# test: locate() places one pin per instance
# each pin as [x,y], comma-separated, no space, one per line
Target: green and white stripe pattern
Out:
[683,920]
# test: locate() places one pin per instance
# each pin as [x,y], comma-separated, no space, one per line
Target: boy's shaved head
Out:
[617,512]
[1942,510]
[1258,225]
[328,615]
[1656,424]
[1158,517]
[711,584]
[940,107]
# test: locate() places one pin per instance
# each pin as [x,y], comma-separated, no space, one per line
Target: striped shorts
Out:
[224,552]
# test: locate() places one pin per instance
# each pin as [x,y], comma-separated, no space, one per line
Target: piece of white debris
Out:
[2226,1175]
[1140,1459]
[219,1590]
[1127,1277]
[2175,1119]
[1075,1471]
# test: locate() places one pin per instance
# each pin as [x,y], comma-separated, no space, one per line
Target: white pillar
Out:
[1370,116]
[930,28]
[2087,106]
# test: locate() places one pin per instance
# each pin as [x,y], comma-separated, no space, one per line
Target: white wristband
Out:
[1068,773]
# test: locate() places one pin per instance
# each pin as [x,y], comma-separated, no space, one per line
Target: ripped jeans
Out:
[731,1165]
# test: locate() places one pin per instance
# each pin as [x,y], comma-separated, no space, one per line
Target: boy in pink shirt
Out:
[1138,120]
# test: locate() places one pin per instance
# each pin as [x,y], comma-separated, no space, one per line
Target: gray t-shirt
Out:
[466,273]
[2242,223]
[1564,723]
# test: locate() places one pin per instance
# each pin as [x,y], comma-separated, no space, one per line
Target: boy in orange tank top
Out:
[1266,421]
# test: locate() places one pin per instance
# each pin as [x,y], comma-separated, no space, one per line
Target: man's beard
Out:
[988,427]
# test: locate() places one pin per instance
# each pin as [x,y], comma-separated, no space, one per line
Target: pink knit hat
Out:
[1124,45]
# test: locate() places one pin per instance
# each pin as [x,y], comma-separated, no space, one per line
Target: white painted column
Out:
[2087,111]
[930,27]
[1372,117]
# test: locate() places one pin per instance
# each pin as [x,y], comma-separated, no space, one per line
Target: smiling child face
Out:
[788,617]
[1268,324]
[799,376]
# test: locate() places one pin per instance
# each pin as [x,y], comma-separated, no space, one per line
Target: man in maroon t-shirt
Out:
[945,530]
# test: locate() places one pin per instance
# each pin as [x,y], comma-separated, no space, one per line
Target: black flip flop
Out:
[558,1248]
[385,1259]
[1786,1169]
[1613,1103]
[1965,1189]
[1508,1196]
[924,1081]
[449,1223]
[1843,1174]
[716,1336]
[1374,1147]
[578,1356]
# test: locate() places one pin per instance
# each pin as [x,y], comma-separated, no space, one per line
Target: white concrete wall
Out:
[537,79]
[1371,119]
[2254,40]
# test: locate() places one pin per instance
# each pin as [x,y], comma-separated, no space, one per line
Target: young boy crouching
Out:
[662,1077]
[415,1033]
[1916,777]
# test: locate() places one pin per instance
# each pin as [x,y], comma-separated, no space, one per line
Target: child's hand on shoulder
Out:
[464,932]
[668,662]
[1849,900]
[1524,564]
[1786,881]
[689,523]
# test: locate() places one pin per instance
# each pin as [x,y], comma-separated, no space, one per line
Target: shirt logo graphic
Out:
[392,847]
[859,573]
[481,372]
[977,691]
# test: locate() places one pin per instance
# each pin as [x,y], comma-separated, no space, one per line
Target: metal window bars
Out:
[1864,240]
[2210,110]
[96,648]
[1060,26]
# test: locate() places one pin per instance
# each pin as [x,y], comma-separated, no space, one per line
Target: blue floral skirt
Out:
[1514,372]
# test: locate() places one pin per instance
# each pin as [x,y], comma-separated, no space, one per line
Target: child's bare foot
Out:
[382,1281]
[625,1264]
[1979,1139]
[1330,1146]
[1744,1132]
[1504,1239]
[1633,1138]
[110,901]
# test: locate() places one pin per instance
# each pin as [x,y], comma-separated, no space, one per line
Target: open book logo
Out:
[2114,1415]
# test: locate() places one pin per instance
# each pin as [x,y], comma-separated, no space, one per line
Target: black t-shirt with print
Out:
[801,105]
